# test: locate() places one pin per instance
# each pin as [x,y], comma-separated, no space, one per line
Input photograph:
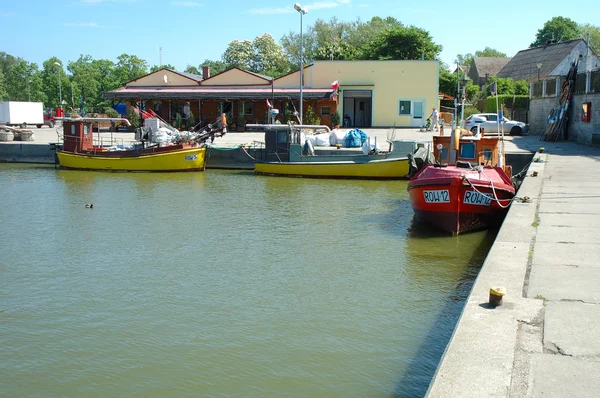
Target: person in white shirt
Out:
[434,119]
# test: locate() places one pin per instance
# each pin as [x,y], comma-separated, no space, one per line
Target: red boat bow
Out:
[458,198]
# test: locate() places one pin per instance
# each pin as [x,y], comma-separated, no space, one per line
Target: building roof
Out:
[192,76]
[523,66]
[215,92]
[489,66]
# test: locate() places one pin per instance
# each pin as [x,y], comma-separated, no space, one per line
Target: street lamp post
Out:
[59,88]
[28,91]
[302,12]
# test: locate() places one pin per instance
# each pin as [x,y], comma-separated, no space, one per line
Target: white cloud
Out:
[82,25]
[186,3]
[290,9]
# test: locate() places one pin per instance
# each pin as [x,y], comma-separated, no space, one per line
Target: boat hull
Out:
[458,201]
[397,168]
[187,159]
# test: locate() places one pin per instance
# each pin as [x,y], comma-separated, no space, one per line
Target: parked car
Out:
[489,122]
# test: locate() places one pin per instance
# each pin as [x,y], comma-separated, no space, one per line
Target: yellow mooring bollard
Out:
[496,294]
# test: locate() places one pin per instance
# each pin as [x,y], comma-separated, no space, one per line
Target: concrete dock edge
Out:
[482,358]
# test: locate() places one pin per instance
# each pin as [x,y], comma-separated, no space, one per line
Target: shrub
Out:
[335,119]
[178,121]
[110,112]
[133,118]
[470,110]
[509,101]
[311,117]
[191,120]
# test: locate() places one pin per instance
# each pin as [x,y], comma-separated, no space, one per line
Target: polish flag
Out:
[269,104]
[335,85]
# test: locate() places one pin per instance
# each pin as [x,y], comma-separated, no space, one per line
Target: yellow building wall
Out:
[389,81]
[157,79]
[234,77]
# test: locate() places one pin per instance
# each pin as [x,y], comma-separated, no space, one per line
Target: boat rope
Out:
[495,196]
[246,152]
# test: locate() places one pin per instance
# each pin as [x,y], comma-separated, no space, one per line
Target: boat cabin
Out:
[477,151]
[77,135]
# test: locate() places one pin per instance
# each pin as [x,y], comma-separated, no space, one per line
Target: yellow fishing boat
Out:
[80,153]
[285,156]
[392,168]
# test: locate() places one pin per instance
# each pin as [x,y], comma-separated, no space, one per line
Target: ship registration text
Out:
[476,198]
[442,196]
[191,158]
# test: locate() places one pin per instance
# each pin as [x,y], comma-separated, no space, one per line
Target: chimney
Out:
[205,72]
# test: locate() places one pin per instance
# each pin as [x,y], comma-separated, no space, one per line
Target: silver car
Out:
[489,122]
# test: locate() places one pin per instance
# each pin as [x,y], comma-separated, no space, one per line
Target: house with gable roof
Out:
[482,68]
[545,68]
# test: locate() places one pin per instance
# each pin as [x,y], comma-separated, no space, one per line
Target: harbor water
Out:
[222,284]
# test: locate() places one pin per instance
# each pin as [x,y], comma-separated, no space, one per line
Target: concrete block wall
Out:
[579,131]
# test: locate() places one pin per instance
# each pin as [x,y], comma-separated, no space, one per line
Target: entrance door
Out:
[357,109]
[417,118]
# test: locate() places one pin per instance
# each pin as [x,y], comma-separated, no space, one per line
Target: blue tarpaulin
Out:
[355,138]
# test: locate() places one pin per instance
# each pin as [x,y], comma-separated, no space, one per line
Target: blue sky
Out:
[190,31]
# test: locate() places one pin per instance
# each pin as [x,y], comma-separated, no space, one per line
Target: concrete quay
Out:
[544,340]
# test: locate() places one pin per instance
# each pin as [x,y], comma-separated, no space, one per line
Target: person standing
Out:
[434,119]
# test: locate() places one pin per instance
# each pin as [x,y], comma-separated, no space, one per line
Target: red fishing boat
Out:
[468,187]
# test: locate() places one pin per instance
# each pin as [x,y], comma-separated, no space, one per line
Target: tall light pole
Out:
[59,88]
[28,91]
[302,12]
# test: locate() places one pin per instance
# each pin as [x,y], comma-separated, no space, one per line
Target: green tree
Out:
[192,69]
[268,57]
[50,82]
[239,54]
[86,81]
[107,81]
[216,67]
[404,43]
[594,35]
[3,93]
[154,68]
[129,67]
[507,86]
[559,29]
[490,52]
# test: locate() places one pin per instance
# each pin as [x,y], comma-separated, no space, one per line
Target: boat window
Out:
[325,111]
[86,129]
[487,155]
[467,150]
[73,129]
[282,137]
[443,154]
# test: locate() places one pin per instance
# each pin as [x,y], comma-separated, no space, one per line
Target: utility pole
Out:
[159,57]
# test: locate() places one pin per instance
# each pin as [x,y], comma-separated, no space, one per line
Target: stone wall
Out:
[539,109]
[582,132]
